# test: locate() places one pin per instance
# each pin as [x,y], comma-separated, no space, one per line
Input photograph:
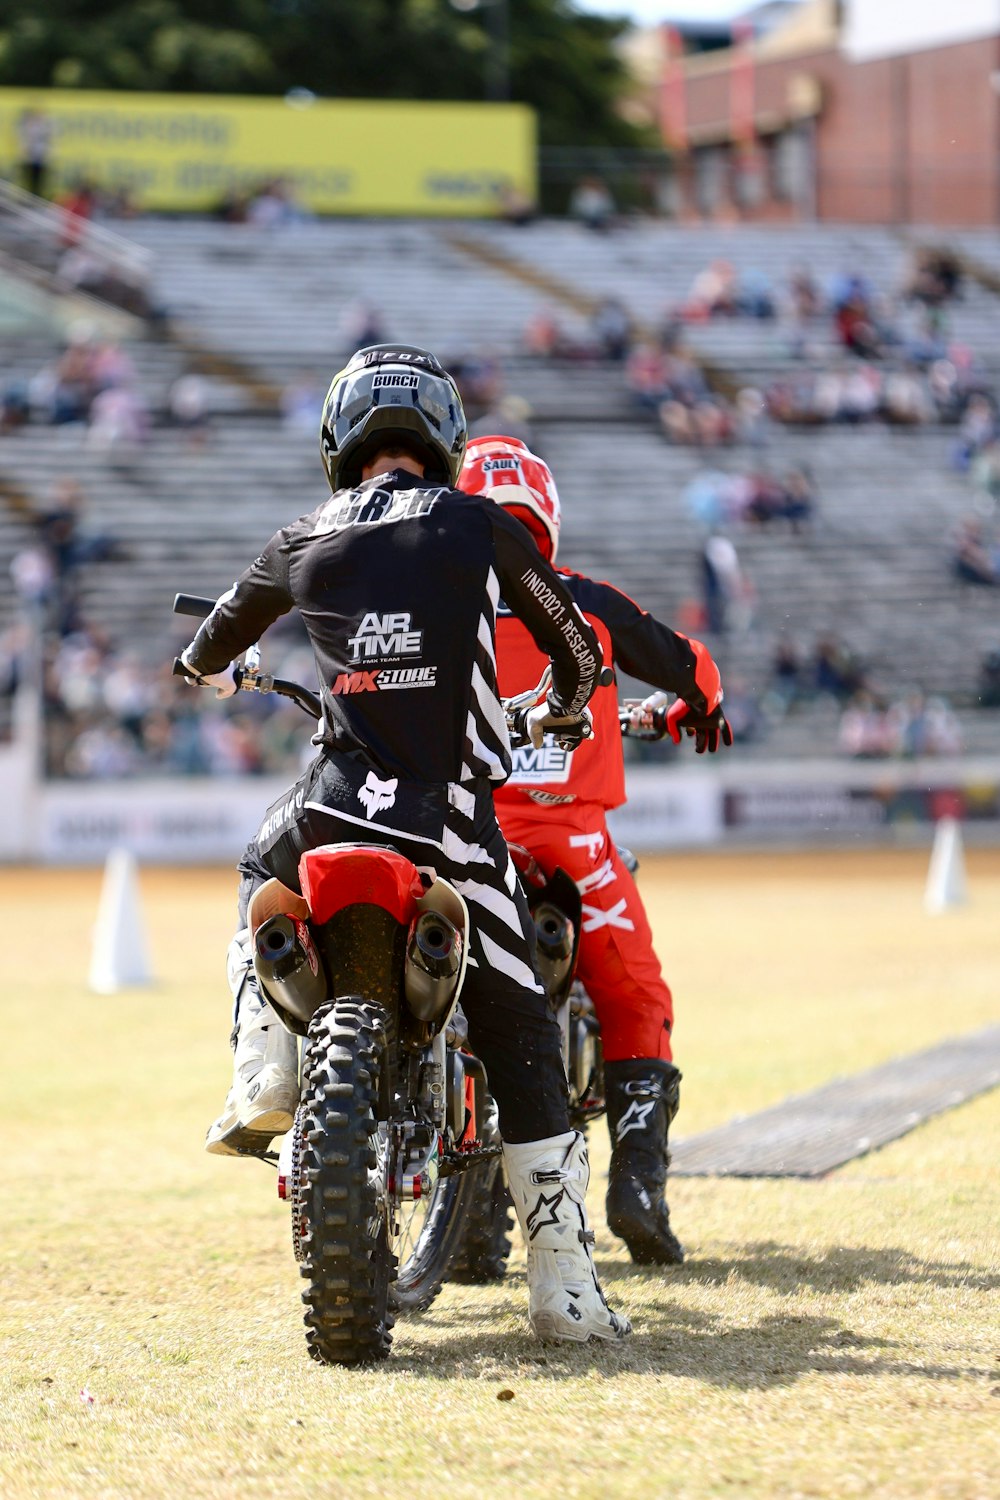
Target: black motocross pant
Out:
[451,831]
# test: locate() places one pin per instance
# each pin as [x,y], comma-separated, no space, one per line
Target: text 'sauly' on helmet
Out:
[506,470]
[392,393]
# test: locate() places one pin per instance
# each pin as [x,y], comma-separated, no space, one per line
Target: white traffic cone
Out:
[119,959]
[946,876]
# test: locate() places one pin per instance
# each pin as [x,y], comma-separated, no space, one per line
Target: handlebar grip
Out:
[179,669]
[193,604]
[606,678]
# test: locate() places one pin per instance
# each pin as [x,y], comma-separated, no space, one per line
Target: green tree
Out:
[561,62]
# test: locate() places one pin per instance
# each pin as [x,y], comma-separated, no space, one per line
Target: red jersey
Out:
[630,638]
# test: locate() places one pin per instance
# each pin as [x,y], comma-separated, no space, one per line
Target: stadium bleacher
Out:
[255,309]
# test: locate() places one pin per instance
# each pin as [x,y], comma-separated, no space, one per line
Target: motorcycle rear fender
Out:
[333,876]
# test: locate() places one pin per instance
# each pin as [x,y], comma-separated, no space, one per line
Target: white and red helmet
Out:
[506,471]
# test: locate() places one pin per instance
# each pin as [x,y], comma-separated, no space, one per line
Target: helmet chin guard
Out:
[392,395]
[507,472]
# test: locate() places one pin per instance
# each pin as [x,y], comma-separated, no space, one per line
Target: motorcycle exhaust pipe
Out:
[554,946]
[289,968]
[433,964]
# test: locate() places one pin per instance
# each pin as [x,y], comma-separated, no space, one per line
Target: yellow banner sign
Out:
[191,151]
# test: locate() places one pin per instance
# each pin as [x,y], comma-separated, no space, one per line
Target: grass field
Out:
[828,1338]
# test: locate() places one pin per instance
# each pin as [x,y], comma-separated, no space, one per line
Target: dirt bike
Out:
[556,906]
[395,1124]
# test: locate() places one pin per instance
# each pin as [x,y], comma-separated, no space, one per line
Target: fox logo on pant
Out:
[376,795]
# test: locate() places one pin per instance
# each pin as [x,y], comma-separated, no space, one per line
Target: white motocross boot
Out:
[265,1093]
[548,1183]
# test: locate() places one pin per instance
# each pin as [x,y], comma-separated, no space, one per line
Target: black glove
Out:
[709,729]
[569,730]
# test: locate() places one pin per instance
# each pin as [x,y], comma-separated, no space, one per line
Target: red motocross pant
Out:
[617,964]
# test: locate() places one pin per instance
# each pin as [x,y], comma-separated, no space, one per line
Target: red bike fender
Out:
[333,877]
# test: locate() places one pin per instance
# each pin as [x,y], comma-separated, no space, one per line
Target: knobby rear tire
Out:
[347,1259]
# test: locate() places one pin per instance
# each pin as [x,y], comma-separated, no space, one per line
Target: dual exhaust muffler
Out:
[290,969]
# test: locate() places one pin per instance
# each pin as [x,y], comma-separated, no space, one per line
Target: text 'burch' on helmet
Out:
[506,470]
[386,394]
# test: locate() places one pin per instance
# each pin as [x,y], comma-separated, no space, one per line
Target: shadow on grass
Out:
[673,1340]
[786,1268]
[670,1341]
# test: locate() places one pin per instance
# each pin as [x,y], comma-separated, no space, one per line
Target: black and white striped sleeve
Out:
[535,593]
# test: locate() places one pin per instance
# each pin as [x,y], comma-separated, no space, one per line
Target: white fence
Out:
[207,821]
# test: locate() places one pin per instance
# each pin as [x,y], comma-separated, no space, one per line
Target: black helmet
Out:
[387,393]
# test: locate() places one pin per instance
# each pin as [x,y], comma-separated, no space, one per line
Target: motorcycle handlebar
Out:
[193,604]
[200,607]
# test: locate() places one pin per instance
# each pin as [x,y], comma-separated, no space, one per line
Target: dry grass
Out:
[825,1338]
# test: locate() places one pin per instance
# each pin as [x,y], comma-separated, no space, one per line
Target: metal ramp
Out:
[810,1134]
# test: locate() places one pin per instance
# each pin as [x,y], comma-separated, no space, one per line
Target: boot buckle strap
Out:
[544,1178]
[643,1088]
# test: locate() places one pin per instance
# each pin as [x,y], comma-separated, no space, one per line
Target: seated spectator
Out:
[984,471]
[989,680]
[611,324]
[864,732]
[750,418]
[77,207]
[977,429]
[714,293]
[708,496]
[73,388]
[646,374]
[187,406]
[15,407]
[973,562]
[591,204]
[274,205]
[920,726]
[855,327]
[515,207]
[935,276]
[480,382]
[787,684]
[712,422]
[799,497]
[755,296]
[803,294]
[905,401]
[118,425]
[835,671]
[110,366]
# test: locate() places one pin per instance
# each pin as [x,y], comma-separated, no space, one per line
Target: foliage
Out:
[560,62]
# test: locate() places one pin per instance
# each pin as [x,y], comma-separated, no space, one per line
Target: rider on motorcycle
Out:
[555,805]
[397,578]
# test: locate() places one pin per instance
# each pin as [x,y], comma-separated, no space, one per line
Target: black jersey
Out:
[397,583]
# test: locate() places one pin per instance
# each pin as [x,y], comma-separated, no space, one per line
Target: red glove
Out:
[709,729]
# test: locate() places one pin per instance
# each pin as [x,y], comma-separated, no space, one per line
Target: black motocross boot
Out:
[643,1094]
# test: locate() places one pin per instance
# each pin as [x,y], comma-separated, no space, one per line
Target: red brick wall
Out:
[911,139]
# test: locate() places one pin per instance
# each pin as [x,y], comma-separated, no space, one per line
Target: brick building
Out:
[864,111]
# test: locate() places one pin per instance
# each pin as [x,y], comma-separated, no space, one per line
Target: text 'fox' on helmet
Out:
[392,394]
[508,473]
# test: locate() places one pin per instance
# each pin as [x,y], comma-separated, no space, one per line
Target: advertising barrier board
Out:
[187,152]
